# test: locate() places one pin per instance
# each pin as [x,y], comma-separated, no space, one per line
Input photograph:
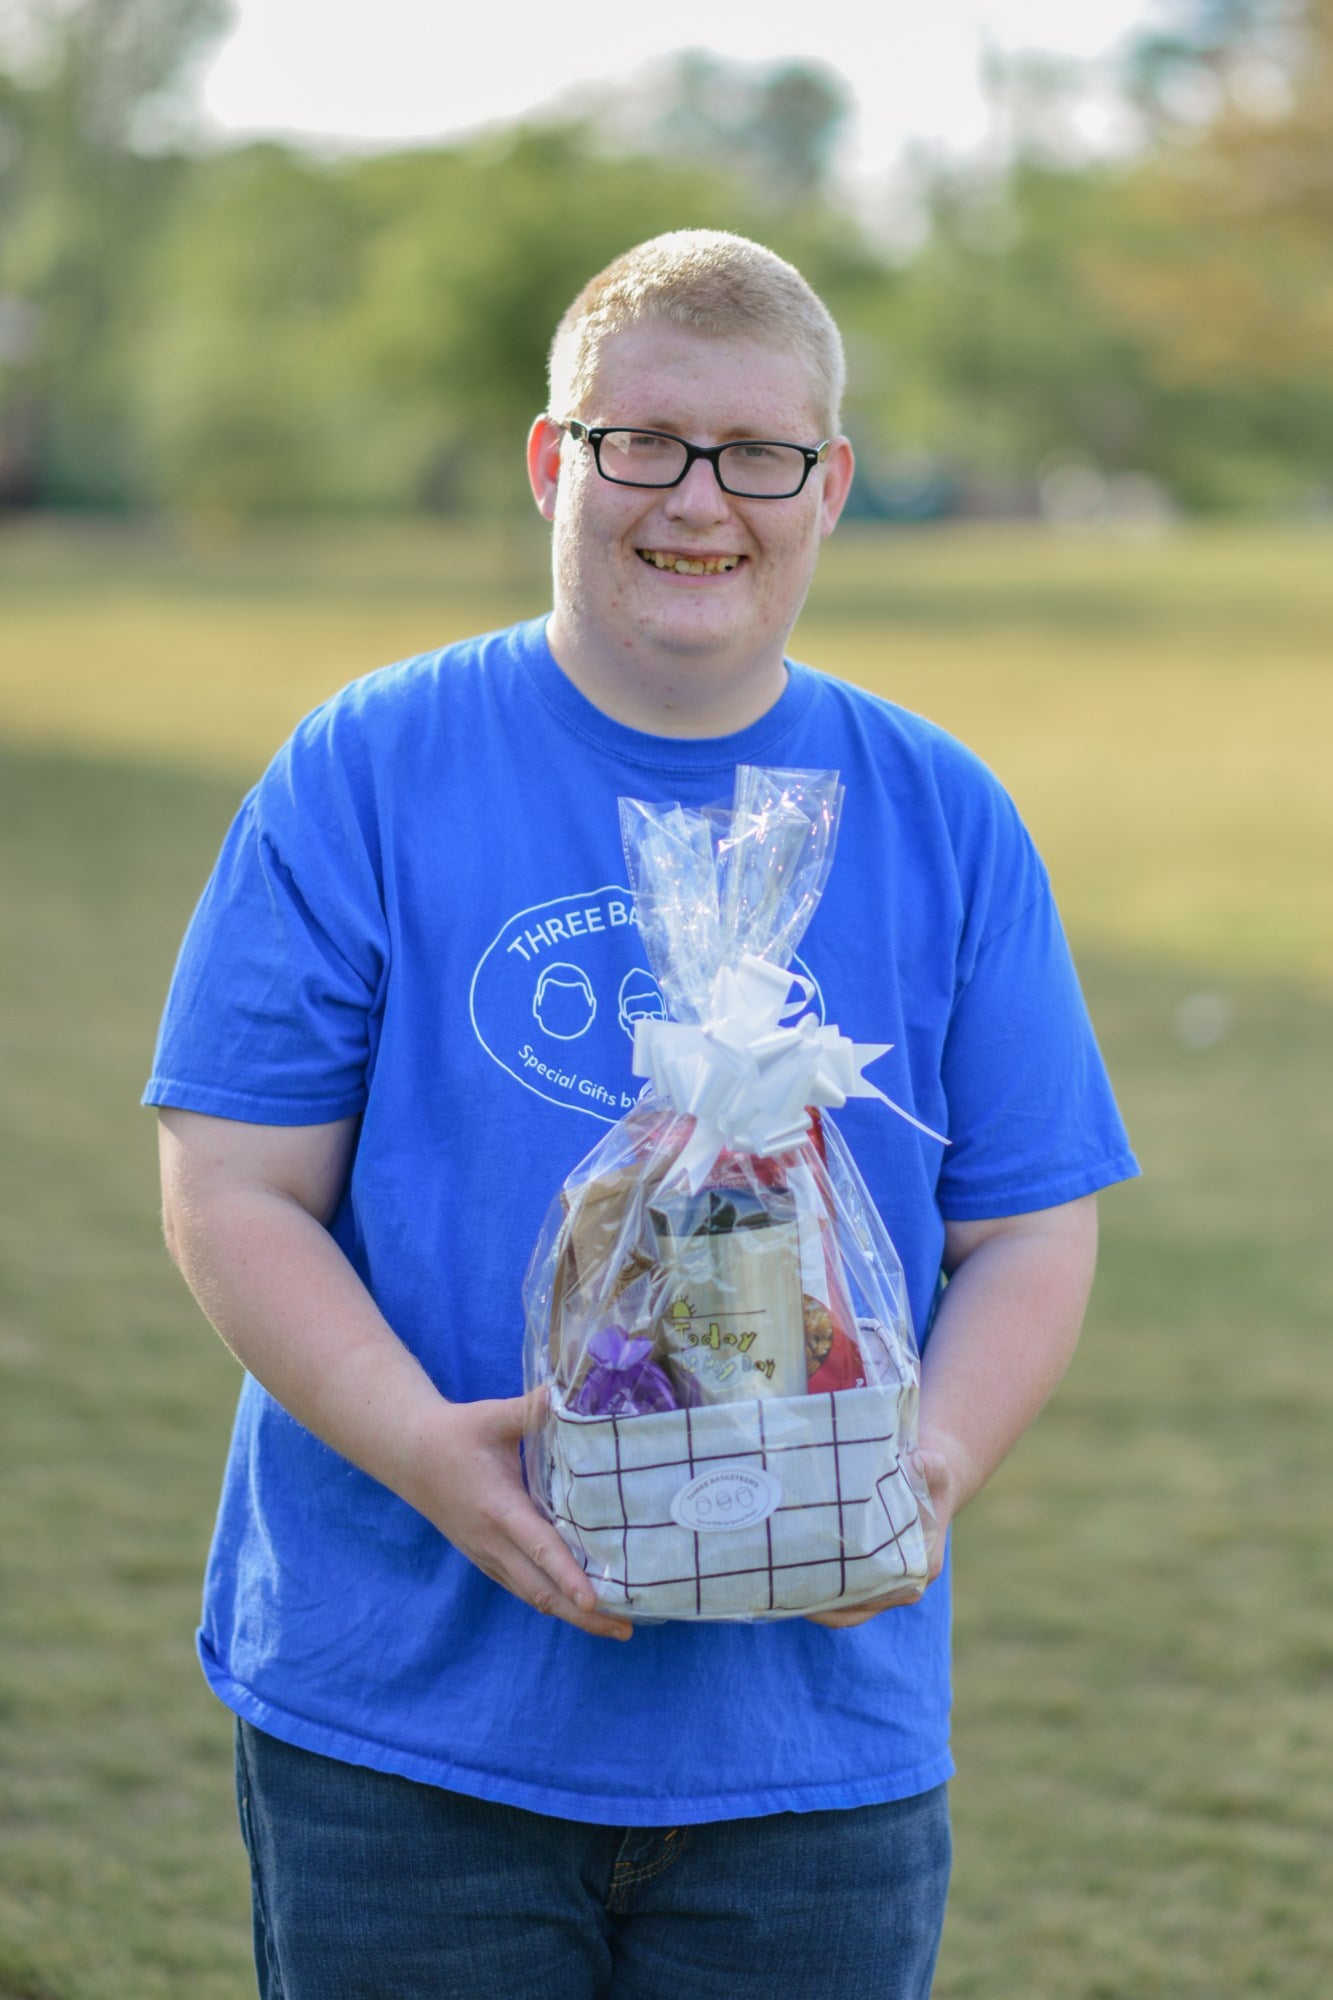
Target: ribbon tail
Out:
[699,1155]
[927,1129]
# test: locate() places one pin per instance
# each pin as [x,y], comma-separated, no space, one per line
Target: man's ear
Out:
[838,469]
[544,442]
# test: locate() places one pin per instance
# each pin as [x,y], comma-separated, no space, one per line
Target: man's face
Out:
[619,590]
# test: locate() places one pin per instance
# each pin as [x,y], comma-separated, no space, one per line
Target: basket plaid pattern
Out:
[846,1527]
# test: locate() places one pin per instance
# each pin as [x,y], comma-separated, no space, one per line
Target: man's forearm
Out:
[1006,1329]
[293,1311]
[244,1208]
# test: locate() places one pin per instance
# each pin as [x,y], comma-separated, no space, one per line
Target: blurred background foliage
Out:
[260,329]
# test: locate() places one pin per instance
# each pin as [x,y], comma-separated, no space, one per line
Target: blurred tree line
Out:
[261,329]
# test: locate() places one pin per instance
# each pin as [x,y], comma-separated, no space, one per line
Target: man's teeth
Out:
[690,565]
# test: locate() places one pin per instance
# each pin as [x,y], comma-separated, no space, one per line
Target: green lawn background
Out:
[1145,1653]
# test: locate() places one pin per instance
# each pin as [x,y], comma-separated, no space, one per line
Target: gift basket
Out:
[714,1305]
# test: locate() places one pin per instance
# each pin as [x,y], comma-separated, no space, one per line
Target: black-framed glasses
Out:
[752,468]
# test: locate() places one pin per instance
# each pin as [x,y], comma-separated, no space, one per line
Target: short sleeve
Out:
[271,1015]
[1032,1119]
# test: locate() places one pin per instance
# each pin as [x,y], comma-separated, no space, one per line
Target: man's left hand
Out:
[935,1469]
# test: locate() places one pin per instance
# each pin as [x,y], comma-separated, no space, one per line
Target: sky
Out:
[425,70]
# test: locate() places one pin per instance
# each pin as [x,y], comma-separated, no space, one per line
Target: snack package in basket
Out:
[714,1304]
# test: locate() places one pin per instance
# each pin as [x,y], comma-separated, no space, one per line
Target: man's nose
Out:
[698,496]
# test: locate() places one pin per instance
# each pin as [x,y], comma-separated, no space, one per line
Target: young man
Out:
[399,1019]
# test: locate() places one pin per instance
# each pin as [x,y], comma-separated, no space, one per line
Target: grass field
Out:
[1145,1638]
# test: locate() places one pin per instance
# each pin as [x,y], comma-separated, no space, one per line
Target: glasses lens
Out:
[770,469]
[642,458]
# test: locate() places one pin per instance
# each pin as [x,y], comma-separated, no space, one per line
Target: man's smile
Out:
[685,565]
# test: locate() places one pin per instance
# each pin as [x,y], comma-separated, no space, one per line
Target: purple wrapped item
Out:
[622,1381]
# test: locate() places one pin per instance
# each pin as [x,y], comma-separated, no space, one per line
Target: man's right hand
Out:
[466,1478]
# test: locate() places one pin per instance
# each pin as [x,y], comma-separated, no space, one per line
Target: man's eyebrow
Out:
[736,434]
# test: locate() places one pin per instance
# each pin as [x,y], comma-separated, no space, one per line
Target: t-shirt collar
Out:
[757,743]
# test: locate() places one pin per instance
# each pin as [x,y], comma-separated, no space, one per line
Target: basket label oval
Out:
[725,1498]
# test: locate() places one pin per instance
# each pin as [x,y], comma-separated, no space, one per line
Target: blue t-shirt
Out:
[421,918]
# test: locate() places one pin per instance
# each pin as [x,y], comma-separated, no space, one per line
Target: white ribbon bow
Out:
[744,1077]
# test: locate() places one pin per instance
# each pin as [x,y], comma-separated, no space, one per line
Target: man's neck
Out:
[671,695]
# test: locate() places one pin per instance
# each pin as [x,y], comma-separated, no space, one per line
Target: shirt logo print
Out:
[556,994]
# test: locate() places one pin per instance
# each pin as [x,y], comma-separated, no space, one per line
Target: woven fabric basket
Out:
[760,1508]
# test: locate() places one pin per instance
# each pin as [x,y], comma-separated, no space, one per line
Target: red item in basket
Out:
[841,1368]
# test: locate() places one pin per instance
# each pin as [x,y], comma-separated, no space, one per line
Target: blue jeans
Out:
[370,1887]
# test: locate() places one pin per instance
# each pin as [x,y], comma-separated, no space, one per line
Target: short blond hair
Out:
[707,281]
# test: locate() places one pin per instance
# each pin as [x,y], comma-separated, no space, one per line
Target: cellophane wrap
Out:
[714,1305]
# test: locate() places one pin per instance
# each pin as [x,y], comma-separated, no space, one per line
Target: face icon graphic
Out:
[640,1000]
[564,1004]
